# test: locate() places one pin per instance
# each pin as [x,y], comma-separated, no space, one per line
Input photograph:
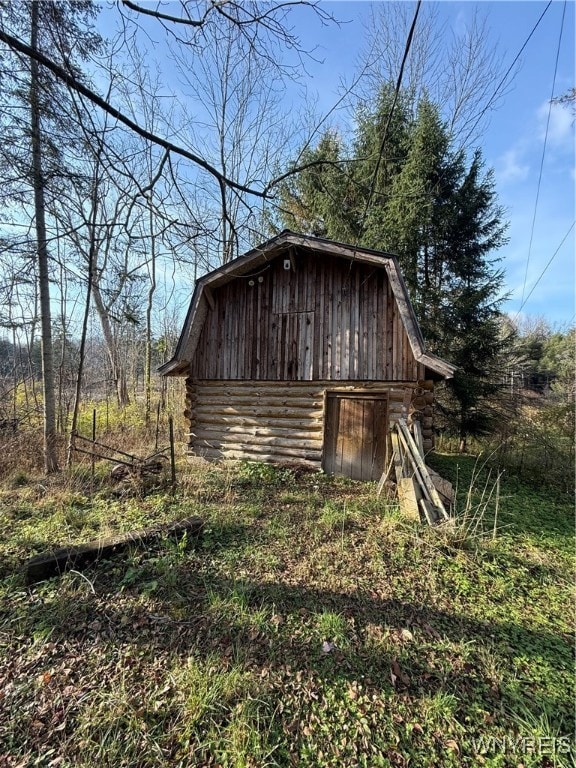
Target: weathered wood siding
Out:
[325,319]
[267,421]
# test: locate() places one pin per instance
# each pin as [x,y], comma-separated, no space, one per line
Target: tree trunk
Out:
[149,306]
[50,457]
[118,370]
[82,351]
[463,435]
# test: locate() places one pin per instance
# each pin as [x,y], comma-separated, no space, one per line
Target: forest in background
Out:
[119,189]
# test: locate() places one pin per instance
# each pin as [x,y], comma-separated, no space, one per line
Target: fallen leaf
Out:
[431,631]
[327,647]
[453,746]
[405,634]
[396,673]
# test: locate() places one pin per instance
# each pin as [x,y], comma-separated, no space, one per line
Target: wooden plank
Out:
[302,404]
[218,351]
[256,362]
[366,304]
[248,432]
[243,423]
[376,360]
[417,432]
[292,338]
[214,401]
[287,412]
[209,296]
[429,511]
[394,389]
[420,468]
[407,498]
[444,487]
[365,440]
[316,346]
[386,476]
[313,462]
[342,436]
[254,339]
[397,457]
[350,355]
[329,325]
[283,348]
[396,331]
[337,324]
[380,432]
[388,330]
[262,453]
[225,439]
[49,564]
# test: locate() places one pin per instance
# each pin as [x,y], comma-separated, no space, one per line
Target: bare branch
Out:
[72,82]
[165,16]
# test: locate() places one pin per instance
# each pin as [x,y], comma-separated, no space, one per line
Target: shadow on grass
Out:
[277,627]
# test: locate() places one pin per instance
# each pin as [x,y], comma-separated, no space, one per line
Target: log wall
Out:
[268,421]
[324,319]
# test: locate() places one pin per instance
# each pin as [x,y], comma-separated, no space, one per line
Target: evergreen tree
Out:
[321,199]
[423,201]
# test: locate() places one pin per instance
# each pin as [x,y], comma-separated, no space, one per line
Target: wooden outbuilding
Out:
[304,350]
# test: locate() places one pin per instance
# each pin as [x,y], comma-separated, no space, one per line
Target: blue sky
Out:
[512,142]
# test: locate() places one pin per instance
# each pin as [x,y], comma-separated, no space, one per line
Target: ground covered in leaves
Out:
[312,626]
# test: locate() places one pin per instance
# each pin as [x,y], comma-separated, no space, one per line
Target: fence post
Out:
[172,458]
[93,443]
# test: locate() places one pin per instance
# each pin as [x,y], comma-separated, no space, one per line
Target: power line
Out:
[505,77]
[541,275]
[543,152]
[388,122]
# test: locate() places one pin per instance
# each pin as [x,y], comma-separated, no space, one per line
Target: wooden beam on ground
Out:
[49,564]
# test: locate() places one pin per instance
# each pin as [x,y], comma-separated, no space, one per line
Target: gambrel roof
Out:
[202,298]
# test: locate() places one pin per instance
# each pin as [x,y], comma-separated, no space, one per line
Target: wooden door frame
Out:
[358,394]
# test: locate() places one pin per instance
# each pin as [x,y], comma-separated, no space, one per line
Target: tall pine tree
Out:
[416,197]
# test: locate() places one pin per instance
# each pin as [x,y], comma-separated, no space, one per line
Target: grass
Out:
[312,626]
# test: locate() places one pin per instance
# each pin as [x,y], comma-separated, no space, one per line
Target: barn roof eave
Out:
[174,367]
[437,365]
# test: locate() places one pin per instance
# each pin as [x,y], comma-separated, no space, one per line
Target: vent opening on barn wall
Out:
[355,434]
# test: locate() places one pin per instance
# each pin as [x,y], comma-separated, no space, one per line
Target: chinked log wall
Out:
[268,421]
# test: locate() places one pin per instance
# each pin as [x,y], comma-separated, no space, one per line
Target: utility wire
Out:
[505,77]
[543,154]
[389,120]
[541,275]
[480,116]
